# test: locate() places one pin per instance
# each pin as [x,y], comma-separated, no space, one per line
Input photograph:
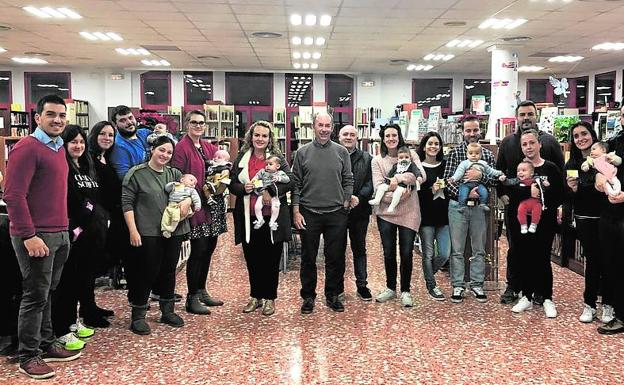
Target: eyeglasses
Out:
[196,123]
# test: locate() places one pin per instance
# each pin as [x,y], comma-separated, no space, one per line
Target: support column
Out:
[504,87]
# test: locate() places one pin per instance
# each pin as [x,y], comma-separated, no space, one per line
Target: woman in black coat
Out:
[262,247]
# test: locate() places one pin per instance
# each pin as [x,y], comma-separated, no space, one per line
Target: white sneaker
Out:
[549,308]
[523,229]
[607,314]
[588,315]
[523,305]
[385,295]
[406,299]
[532,227]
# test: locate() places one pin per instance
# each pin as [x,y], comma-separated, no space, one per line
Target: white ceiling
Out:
[363,37]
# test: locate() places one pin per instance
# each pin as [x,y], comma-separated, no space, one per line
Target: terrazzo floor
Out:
[370,343]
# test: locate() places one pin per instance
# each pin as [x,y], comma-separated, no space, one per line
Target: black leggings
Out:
[588,233]
[612,239]
[199,263]
[154,265]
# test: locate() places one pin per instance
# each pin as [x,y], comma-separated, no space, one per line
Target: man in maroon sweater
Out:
[36,197]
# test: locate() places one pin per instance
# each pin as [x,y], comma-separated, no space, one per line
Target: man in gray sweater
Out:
[320,199]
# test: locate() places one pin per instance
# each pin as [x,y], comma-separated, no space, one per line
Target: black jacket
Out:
[510,155]
[236,187]
[362,183]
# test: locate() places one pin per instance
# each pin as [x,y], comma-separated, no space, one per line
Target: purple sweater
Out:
[188,160]
[36,189]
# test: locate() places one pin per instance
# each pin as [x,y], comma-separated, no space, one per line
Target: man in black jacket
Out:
[509,156]
[357,224]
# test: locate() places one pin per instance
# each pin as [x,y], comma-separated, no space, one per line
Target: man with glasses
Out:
[131,147]
[509,156]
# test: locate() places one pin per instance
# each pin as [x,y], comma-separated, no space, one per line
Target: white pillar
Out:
[504,87]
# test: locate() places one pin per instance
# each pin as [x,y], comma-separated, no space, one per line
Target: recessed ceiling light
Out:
[502,23]
[29,60]
[609,46]
[306,55]
[49,12]
[157,63]
[565,59]
[419,67]
[2,50]
[465,43]
[305,66]
[296,40]
[438,57]
[296,55]
[308,40]
[296,65]
[316,55]
[310,20]
[325,20]
[101,36]
[295,19]
[320,41]
[530,68]
[132,51]
[266,35]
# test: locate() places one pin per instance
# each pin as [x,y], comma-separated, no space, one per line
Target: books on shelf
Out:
[220,121]
[279,116]
[78,112]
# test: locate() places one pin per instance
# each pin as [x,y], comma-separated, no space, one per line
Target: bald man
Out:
[321,200]
[357,222]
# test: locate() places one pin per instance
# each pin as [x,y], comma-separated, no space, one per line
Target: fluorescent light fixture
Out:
[48,12]
[295,19]
[108,36]
[453,43]
[296,55]
[475,43]
[306,55]
[296,40]
[320,41]
[464,44]
[316,55]
[122,51]
[2,50]
[438,57]
[325,20]
[565,59]
[313,66]
[37,12]
[427,67]
[419,67]
[69,13]
[308,40]
[429,57]
[165,63]
[88,35]
[114,36]
[101,36]
[305,66]
[143,51]
[603,88]
[296,65]
[146,62]
[609,46]
[530,68]
[310,19]
[502,23]
[448,57]
[29,60]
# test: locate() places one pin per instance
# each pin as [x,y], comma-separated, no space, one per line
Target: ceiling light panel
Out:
[101,36]
[609,47]
[310,20]
[419,67]
[565,59]
[530,68]
[52,13]
[158,63]
[29,60]
[133,51]
[464,43]
[502,23]
[2,50]
[438,57]
[295,19]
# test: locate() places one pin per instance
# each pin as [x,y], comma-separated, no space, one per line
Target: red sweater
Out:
[36,189]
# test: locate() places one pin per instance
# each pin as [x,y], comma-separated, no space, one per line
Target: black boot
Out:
[207,300]
[168,316]
[138,324]
[194,306]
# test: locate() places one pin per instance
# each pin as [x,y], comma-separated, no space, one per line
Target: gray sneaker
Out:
[386,295]
[479,294]
[406,299]
[437,294]
[458,295]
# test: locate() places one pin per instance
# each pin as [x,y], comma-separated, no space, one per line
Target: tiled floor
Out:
[432,343]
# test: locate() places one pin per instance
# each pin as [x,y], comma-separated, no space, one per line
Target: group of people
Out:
[138,195]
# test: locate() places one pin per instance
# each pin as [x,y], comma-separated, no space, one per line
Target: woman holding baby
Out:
[191,156]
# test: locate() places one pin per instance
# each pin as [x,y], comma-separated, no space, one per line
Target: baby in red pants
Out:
[529,206]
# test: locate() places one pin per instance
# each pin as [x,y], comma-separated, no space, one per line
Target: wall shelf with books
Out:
[227,121]
[365,120]
[20,123]
[6,145]
[212,121]
[279,128]
[78,113]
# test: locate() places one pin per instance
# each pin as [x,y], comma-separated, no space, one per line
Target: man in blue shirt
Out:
[131,146]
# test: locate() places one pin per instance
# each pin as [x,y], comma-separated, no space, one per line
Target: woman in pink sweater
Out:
[404,220]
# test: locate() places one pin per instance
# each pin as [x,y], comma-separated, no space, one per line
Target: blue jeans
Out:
[432,261]
[388,233]
[464,191]
[471,222]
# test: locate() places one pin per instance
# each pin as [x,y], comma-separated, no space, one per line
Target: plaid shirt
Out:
[455,157]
